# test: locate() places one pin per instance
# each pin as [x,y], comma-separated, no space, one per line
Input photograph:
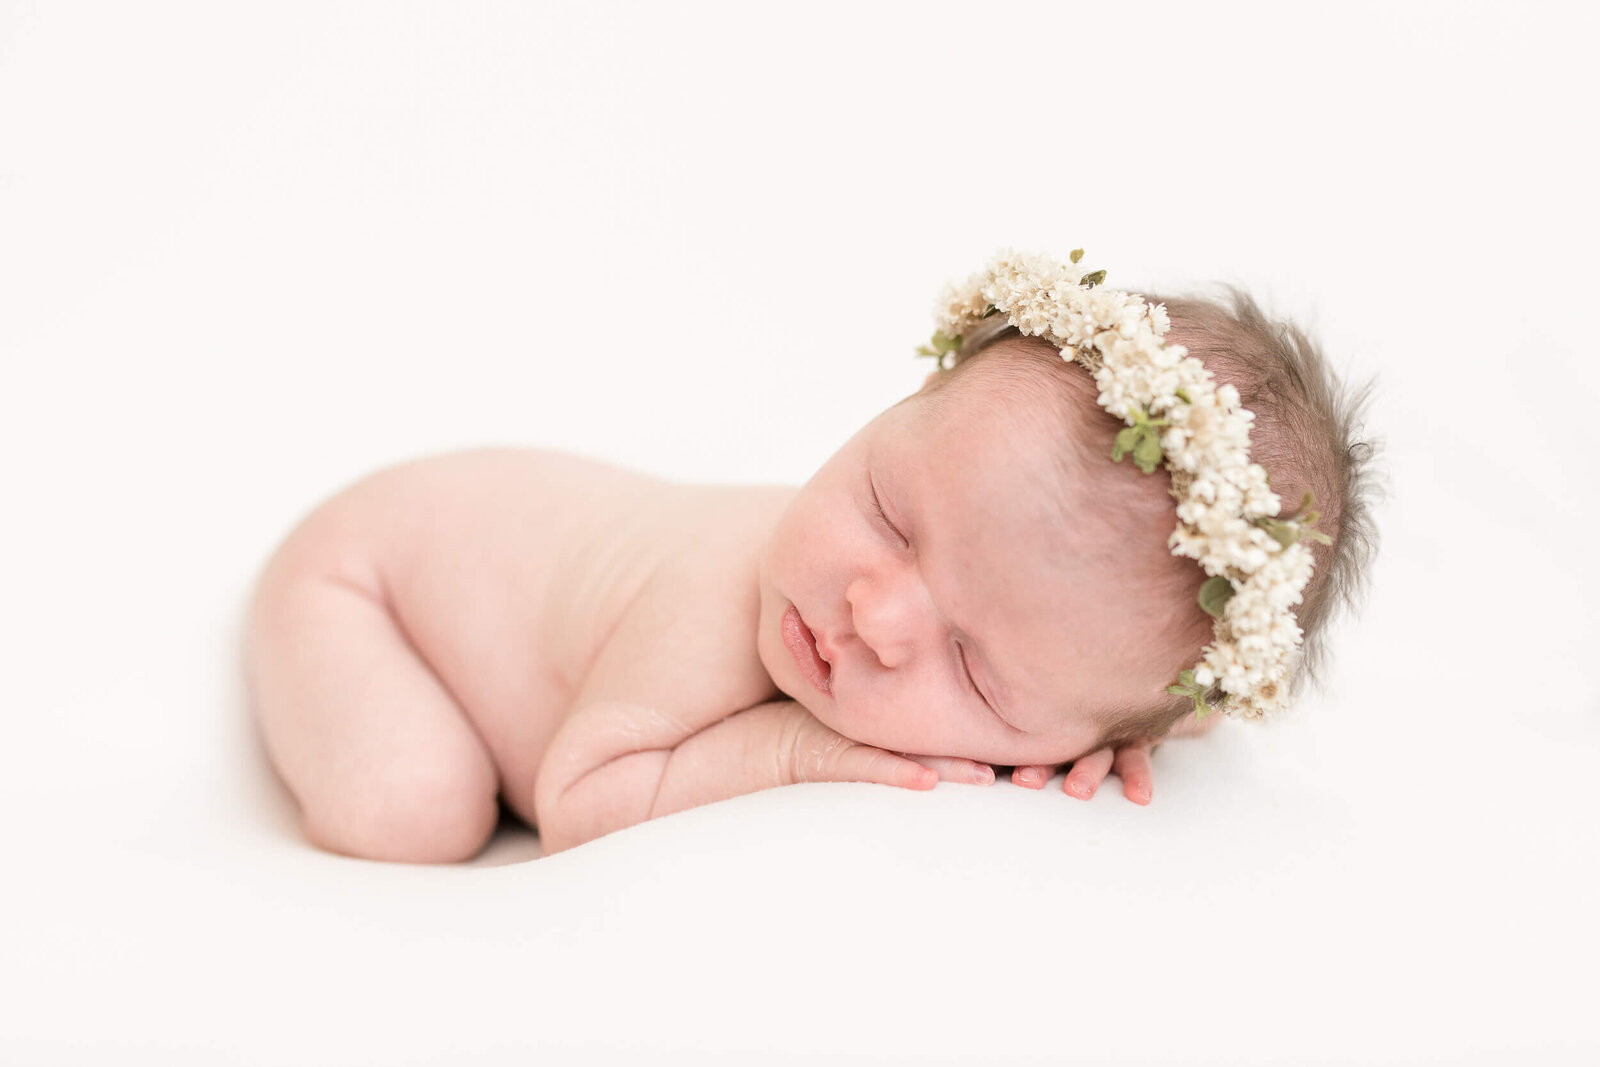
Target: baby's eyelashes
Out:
[966,674]
[877,506]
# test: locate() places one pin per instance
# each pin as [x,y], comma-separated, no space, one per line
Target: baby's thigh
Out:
[375,750]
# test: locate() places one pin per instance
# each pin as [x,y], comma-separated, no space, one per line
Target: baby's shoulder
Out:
[687,643]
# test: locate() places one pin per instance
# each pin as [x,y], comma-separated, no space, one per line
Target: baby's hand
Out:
[1130,762]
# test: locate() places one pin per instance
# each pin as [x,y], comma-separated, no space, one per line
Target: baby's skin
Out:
[598,647]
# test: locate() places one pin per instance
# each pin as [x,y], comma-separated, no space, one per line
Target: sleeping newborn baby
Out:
[970,582]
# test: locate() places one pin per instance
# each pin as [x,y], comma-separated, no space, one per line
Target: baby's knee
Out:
[408,818]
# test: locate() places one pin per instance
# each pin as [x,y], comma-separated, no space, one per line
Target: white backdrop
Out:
[249,253]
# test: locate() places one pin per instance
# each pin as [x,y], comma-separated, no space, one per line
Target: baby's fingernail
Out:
[983,774]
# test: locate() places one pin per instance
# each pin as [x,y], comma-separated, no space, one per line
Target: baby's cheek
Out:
[927,724]
[869,723]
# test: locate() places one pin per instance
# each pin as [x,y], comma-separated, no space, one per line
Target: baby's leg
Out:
[380,758]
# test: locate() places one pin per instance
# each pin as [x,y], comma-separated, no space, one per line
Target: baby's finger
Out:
[1033,776]
[955,768]
[1087,774]
[1132,765]
[864,763]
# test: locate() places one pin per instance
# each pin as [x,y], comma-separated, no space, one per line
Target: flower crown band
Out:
[1177,416]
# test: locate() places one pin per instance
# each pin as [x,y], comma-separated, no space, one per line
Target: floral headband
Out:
[1178,416]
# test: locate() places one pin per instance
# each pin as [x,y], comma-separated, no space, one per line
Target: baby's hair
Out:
[1306,433]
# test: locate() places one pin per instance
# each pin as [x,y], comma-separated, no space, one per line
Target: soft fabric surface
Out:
[248,255]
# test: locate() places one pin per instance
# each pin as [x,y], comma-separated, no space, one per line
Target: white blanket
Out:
[248,255]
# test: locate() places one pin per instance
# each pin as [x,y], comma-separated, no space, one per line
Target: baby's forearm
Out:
[740,754]
[744,753]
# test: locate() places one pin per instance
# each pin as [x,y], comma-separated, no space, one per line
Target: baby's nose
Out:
[887,621]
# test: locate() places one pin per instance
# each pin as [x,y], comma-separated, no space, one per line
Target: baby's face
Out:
[986,615]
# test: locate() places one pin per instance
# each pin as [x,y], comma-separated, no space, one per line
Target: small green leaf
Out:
[1287,531]
[990,310]
[1126,440]
[1282,532]
[1147,450]
[1183,396]
[940,346]
[1091,280]
[1193,690]
[1214,595]
[1077,254]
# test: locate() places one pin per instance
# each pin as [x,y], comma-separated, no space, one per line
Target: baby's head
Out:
[1017,602]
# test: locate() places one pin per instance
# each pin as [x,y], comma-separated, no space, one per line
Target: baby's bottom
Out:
[380,758]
